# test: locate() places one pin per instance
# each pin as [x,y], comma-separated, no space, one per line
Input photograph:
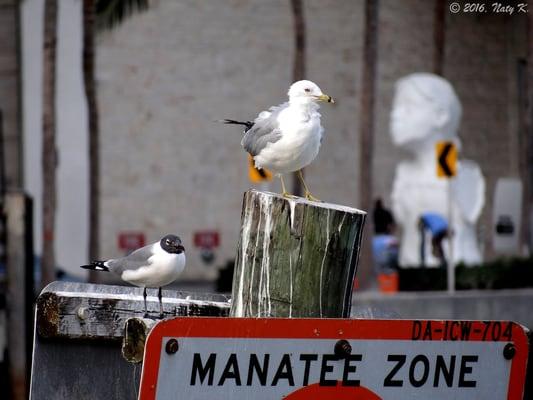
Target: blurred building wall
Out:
[165,75]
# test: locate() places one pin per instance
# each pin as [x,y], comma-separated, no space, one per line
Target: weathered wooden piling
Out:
[295,258]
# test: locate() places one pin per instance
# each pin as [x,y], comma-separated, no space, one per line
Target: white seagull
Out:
[154,266]
[287,137]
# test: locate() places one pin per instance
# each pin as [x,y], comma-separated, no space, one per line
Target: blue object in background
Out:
[434,222]
[437,225]
[385,253]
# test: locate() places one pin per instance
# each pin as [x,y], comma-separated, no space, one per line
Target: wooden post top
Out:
[301,200]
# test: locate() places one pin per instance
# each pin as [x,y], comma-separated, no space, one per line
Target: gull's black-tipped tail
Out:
[96,266]
[247,124]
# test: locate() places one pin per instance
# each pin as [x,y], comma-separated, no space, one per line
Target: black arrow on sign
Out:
[442,159]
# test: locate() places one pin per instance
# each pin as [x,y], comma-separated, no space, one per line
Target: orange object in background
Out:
[388,283]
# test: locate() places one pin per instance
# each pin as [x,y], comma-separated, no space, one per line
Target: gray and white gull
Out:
[155,265]
[287,137]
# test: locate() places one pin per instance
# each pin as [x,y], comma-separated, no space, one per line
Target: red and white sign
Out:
[237,358]
[129,241]
[206,239]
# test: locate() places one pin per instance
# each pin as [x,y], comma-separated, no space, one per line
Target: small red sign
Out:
[128,241]
[206,239]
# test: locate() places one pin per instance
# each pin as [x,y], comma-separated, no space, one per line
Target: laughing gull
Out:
[287,137]
[154,266]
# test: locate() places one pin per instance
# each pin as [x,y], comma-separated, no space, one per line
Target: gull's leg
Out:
[283,189]
[308,194]
[145,307]
[160,297]
[285,193]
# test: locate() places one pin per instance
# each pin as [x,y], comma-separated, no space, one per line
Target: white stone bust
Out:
[426,110]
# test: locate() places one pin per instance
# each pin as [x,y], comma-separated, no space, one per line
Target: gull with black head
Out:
[287,137]
[151,266]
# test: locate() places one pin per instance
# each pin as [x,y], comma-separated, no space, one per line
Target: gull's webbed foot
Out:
[287,195]
[310,197]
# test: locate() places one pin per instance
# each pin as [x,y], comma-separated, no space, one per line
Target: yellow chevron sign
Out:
[446,153]
[257,175]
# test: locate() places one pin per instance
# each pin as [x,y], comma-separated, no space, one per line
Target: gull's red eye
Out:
[307,90]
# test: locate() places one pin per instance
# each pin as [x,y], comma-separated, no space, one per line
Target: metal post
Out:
[451,263]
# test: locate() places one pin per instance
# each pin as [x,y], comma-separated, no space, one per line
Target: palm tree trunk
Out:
[298,66]
[92,109]
[439,33]
[366,132]
[49,155]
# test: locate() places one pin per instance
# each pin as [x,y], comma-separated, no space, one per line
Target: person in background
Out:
[438,228]
[384,243]
[383,220]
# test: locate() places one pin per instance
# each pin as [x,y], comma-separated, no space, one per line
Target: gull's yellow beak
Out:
[326,98]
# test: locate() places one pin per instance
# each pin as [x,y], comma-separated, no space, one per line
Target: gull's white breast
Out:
[298,146]
[163,268]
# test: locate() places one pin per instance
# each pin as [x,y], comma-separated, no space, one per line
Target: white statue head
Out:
[425,109]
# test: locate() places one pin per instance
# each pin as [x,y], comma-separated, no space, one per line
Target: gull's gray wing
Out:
[132,261]
[264,130]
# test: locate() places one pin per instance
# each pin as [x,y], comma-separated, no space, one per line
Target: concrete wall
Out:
[404,46]
[485,305]
[482,56]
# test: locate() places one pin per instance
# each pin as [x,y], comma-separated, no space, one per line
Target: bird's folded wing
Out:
[135,260]
[265,130]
